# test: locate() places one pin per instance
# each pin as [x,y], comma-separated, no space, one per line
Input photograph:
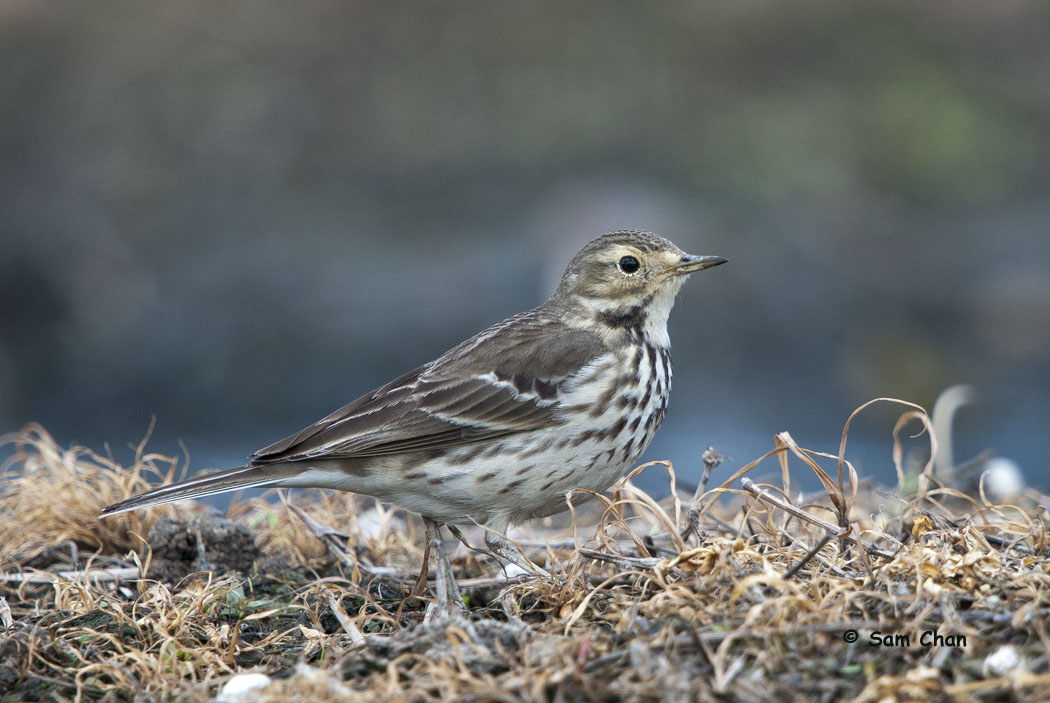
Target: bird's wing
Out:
[501,381]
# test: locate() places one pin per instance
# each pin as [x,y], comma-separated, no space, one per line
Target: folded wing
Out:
[507,383]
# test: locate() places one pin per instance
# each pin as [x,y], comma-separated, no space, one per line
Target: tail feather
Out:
[221,482]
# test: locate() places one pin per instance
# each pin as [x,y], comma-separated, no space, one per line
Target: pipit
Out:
[502,427]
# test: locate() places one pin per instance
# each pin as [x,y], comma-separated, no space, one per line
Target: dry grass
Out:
[722,595]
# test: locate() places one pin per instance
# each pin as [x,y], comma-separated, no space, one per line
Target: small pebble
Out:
[243,688]
[1001,661]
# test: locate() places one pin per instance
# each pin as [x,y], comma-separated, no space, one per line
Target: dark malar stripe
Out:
[630,319]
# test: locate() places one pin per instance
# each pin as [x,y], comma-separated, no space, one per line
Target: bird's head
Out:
[628,277]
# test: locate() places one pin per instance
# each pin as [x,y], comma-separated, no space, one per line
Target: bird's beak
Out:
[692,264]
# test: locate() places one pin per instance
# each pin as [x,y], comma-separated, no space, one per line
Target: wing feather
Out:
[499,382]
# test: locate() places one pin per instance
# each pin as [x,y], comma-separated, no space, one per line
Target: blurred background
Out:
[236,216]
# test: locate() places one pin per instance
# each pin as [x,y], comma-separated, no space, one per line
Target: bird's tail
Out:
[220,482]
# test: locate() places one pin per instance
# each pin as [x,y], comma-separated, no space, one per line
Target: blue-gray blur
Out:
[238,216]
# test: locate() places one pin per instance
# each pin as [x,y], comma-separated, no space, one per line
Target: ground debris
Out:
[207,541]
[721,595]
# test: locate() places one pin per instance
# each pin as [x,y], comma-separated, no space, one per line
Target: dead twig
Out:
[830,530]
[711,458]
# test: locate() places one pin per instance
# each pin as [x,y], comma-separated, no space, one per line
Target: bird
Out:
[502,427]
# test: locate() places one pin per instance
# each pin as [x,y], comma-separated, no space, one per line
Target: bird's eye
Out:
[629,264]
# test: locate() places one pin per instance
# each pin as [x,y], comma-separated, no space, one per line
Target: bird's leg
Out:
[445,590]
[497,542]
[424,571]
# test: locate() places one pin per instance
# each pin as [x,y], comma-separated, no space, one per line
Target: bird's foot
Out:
[509,553]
